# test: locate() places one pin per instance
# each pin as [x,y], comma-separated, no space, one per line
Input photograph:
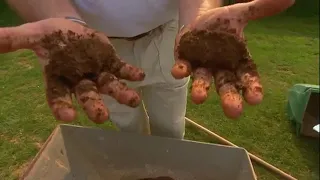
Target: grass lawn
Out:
[286,49]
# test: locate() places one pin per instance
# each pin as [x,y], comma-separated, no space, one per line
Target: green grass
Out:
[286,49]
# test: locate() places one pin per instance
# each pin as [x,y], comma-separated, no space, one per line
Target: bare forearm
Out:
[35,10]
[262,8]
[190,9]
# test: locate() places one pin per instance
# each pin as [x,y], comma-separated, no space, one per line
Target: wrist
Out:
[192,9]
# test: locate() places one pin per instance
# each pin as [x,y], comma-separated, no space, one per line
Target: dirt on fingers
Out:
[86,65]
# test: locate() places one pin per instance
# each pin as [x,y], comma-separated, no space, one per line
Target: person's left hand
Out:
[213,46]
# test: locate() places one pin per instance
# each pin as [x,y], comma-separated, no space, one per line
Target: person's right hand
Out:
[72,63]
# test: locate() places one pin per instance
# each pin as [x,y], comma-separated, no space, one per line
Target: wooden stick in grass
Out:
[252,157]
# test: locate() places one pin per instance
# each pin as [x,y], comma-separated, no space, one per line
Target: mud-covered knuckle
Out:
[110,85]
[59,99]
[85,86]
[203,76]
[129,72]
[116,66]
[247,68]
[105,78]
[85,97]
[60,103]
[222,78]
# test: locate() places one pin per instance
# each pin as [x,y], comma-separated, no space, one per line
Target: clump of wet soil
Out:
[73,57]
[212,49]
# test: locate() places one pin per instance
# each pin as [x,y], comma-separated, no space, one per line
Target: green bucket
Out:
[303,108]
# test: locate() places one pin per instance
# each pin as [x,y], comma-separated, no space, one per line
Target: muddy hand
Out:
[213,47]
[75,60]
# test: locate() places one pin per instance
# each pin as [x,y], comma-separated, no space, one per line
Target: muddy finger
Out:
[110,85]
[131,73]
[202,79]
[91,102]
[59,99]
[181,69]
[123,70]
[225,82]
[249,78]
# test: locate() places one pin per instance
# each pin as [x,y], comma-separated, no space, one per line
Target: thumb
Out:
[257,9]
[19,37]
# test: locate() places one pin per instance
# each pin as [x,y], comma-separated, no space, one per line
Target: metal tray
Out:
[82,153]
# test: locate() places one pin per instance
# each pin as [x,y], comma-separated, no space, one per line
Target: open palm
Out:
[213,46]
[75,60]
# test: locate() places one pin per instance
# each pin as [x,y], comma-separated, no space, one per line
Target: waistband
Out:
[134,38]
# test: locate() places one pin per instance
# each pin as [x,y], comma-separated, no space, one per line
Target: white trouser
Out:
[164,98]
